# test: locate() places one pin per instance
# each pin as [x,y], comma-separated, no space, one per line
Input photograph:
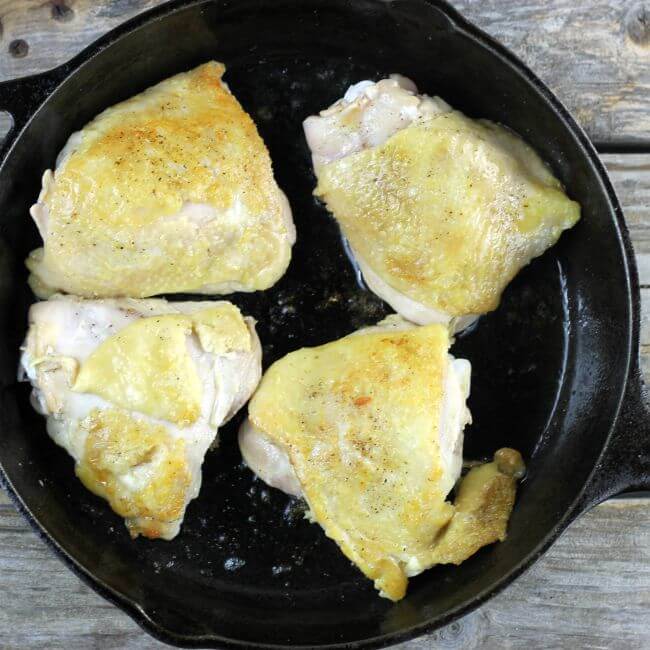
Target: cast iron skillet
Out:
[555,368]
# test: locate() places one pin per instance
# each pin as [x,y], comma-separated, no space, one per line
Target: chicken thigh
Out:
[440,211]
[170,191]
[135,391]
[273,466]
[368,430]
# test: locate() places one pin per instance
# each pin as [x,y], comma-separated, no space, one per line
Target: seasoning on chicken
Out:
[170,191]
[369,431]
[440,211]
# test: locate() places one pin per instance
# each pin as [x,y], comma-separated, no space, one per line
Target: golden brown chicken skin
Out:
[169,191]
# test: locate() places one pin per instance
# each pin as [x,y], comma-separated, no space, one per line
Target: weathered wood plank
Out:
[595,55]
[38,35]
[43,605]
[630,174]
[592,590]
[586,53]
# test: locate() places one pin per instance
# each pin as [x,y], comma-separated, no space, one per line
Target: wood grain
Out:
[591,590]
[630,174]
[595,55]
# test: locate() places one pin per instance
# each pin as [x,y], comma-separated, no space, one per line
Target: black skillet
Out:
[555,368]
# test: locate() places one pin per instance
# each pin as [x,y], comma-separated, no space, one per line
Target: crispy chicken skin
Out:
[440,211]
[135,391]
[273,466]
[368,430]
[169,191]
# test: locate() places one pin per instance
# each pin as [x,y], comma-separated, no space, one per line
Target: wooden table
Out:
[592,589]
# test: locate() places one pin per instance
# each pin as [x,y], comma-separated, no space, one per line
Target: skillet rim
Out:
[581,502]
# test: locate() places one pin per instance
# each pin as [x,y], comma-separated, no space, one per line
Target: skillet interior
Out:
[549,365]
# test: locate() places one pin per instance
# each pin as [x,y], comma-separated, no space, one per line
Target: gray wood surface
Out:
[595,54]
[592,589]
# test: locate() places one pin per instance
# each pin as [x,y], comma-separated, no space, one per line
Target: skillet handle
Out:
[22,97]
[625,464]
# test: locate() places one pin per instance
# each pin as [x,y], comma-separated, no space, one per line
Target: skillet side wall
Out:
[567,315]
